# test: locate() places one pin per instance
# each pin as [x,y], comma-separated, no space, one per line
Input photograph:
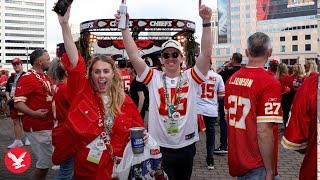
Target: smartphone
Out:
[62,6]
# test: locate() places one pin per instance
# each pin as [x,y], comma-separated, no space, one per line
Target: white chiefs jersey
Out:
[158,112]
[208,93]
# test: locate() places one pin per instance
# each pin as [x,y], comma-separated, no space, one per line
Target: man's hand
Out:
[40,113]
[205,12]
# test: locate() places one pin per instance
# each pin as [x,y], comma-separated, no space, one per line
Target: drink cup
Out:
[136,134]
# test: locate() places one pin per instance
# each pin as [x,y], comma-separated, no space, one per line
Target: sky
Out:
[84,10]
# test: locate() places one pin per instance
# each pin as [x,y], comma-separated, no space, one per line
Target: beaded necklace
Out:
[172,108]
[107,122]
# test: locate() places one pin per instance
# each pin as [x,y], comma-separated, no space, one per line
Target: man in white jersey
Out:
[172,97]
[207,103]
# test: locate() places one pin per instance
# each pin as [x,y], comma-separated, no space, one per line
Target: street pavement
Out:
[288,164]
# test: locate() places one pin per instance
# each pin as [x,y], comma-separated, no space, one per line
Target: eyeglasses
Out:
[173,55]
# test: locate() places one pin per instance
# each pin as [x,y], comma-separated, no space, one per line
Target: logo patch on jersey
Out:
[272,99]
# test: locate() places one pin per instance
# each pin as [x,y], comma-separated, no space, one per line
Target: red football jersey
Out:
[126,79]
[60,103]
[33,93]
[252,96]
[301,133]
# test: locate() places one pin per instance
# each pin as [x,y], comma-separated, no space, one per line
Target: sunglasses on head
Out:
[173,55]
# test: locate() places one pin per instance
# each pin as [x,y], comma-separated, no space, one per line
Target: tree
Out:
[190,48]
[84,46]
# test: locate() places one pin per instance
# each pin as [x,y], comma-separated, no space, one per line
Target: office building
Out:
[23,29]
[291,25]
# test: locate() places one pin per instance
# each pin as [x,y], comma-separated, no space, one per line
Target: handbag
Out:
[201,124]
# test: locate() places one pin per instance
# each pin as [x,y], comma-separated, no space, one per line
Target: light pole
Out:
[27,48]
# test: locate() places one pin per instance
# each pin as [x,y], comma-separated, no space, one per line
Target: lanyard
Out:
[107,121]
[172,108]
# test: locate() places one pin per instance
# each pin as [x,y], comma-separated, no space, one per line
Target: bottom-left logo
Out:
[17,160]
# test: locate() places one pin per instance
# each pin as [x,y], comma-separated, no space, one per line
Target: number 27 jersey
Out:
[252,96]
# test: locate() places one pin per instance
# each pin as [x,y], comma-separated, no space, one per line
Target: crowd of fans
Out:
[79,117]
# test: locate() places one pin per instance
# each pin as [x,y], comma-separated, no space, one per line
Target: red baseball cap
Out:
[274,61]
[16,61]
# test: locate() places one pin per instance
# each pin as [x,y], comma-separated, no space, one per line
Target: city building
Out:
[23,29]
[291,25]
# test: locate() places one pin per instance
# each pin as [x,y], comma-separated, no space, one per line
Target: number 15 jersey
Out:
[252,96]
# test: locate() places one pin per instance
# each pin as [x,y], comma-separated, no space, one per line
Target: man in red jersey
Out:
[126,77]
[33,98]
[273,67]
[253,105]
[301,132]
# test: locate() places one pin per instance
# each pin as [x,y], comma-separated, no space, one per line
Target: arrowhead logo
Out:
[17,160]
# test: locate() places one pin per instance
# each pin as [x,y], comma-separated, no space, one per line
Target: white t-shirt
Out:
[158,113]
[208,92]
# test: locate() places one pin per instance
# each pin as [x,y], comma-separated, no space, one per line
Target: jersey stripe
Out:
[20,99]
[276,119]
[148,78]
[294,146]
[196,77]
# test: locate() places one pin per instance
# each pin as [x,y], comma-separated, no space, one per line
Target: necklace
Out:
[171,107]
[48,89]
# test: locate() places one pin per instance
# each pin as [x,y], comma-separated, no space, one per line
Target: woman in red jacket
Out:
[97,127]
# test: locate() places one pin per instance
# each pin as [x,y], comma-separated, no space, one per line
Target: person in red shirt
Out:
[273,67]
[298,76]
[60,106]
[33,97]
[126,77]
[286,82]
[301,132]
[253,106]
[96,130]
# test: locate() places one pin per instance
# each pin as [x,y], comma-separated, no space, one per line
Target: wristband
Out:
[206,25]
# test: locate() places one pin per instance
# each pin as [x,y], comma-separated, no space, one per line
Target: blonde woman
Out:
[286,82]
[97,126]
[311,68]
[298,76]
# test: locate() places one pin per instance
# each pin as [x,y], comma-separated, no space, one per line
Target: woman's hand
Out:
[63,20]
[117,18]
[205,12]
[145,136]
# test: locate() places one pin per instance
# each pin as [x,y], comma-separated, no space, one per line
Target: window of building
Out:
[248,24]
[235,41]
[247,7]
[238,50]
[234,9]
[289,62]
[235,25]
[307,47]
[282,48]
[307,37]
[294,48]
[235,33]
[282,38]
[248,32]
[218,52]
[235,1]
[294,38]
[227,51]
[233,17]
[248,15]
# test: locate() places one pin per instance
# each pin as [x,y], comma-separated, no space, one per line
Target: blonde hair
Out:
[313,67]
[115,90]
[281,70]
[300,72]
[56,71]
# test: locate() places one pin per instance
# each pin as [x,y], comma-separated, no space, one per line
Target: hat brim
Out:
[171,47]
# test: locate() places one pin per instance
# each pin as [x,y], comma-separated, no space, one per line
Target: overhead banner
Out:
[160,25]
[224,33]
[275,9]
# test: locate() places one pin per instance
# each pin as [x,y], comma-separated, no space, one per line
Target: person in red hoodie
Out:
[96,130]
